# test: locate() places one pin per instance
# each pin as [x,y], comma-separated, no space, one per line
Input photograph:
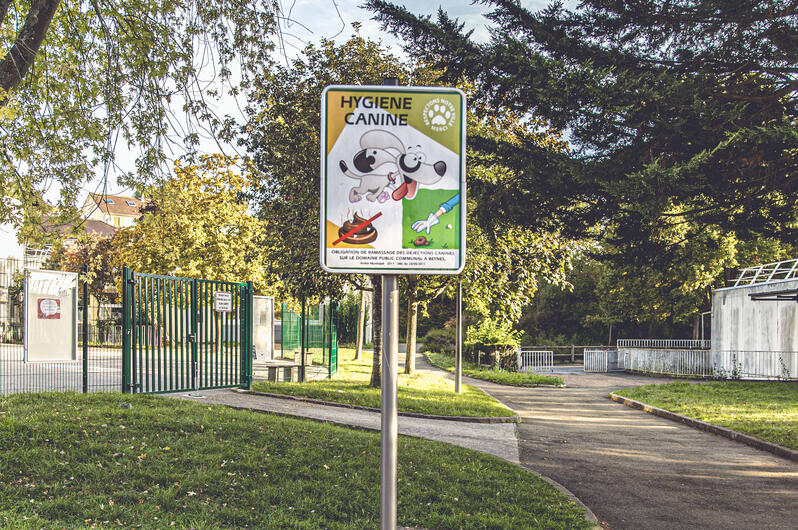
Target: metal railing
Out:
[738,364]
[668,362]
[601,360]
[689,344]
[535,360]
[103,334]
[768,272]
[743,364]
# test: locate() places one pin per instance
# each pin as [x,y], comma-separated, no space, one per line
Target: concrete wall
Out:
[739,323]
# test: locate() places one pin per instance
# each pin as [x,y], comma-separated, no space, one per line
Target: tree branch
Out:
[21,55]
[4,5]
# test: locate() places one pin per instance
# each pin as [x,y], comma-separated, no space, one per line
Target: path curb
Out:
[469,419]
[753,441]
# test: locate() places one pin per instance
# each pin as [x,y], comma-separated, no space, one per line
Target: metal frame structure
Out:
[768,272]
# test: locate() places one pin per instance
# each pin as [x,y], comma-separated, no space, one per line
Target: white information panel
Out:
[263,327]
[392,180]
[222,302]
[51,316]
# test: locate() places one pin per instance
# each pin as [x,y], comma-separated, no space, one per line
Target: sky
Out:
[305,21]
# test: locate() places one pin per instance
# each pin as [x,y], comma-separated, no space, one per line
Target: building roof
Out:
[91,226]
[99,228]
[117,204]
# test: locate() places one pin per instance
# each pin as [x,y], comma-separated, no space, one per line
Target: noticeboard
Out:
[222,302]
[51,310]
[392,180]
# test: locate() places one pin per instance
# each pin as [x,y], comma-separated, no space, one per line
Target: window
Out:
[109,201]
[130,203]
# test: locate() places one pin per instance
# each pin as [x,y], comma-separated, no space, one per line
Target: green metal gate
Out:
[185,334]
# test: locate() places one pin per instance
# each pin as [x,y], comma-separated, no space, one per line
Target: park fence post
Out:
[85,330]
[302,326]
[127,325]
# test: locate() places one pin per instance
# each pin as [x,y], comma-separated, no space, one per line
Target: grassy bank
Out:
[767,410]
[424,393]
[494,376]
[71,460]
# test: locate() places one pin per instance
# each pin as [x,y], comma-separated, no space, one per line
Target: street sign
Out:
[392,180]
[223,302]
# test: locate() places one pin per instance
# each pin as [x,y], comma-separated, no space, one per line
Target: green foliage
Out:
[99,254]
[84,460]
[109,76]
[767,410]
[348,317]
[678,116]
[439,340]
[197,225]
[492,331]
[501,377]
[504,263]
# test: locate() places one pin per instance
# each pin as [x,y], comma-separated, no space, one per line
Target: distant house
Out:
[116,210]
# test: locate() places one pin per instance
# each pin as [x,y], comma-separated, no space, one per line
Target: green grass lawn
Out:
[425,393]
[767,410]
[494,376]
[70,460]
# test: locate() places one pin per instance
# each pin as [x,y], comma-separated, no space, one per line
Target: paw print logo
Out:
[439,114]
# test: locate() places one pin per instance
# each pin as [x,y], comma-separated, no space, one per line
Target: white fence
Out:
[689,344]
[535,360]
[756,364]
[668,362]
[601,360]
[705,363]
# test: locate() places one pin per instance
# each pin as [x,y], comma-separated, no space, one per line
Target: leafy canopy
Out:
[113,77]
[677,112]
[198,225]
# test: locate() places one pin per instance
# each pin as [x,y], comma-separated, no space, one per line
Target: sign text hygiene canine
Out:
[392,180]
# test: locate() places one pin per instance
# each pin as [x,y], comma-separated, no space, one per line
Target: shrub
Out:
[439,341]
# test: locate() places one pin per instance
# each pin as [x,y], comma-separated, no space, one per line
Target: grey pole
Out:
[458,358]
[390,418]
[390,422]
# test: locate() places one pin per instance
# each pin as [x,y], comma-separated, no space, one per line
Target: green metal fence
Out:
[313,331]
[185,334]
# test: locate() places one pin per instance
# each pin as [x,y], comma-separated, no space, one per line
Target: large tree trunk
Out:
[376,326]
[20,57]
[696,326]
[361,325]
[412,321]
[609,336]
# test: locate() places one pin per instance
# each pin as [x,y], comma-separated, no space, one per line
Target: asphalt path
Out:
[636,470]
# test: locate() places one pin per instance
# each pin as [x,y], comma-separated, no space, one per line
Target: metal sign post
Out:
[458,359]
[390,417]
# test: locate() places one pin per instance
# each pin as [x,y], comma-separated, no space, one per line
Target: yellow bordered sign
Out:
[392,180]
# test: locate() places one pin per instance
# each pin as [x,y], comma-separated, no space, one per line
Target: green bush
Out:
[439,341]
[494,332]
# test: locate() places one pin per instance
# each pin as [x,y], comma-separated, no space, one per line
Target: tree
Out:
[678,112]
[98,255]
[198,225]
[81,81]
[283,139]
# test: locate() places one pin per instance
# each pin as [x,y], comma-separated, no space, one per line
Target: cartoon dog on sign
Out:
[380,148]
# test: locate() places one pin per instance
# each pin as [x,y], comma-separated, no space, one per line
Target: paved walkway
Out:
[497,439]
[635,470]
